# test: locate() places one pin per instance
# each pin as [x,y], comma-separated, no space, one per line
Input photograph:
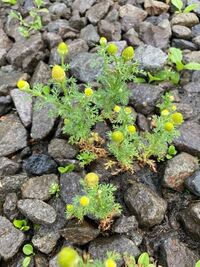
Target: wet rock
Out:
[79,233]
[90,35]
[10,206]
[150,58]
[143,202]
[13,135]
[59,10]
[26,52]
[132,11]
[185,19]
[11,239]
[132,37]
[196,41]
[42,121]
[181,32]
[170,258]
[42,74]
[61,149]
[23,104]
[193,56]
[38,187]
[82,5]
[8,167]
[190,217]
[69,186]
[37,211]
[125,224]
[189,140]
[98,11]
[112,31]
[86,67]
[155,7]
[196,76]
[120,244]
[11,184]
[144,97]
[5,104]
[178,169]
[39,164]
[193,183]
[184,44]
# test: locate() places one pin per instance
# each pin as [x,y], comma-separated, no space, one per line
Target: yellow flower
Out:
[171,97]
[103,41]
[174,107]
[128,53]
[68,257]
[91,179]
[110,263]
[88,91]
[117,136]
[177,118]
[58,73]
[69,207]
[128,110]
[131,129]
[112,49]
[84,201]
[117,108]
[62,49]
[169,126]
[23,85]
[165,112]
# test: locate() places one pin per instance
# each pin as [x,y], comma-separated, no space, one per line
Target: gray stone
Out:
[192,87]
[113,15]
[125,224]
[8,167]
[90,35]
[69,186]
[42,121]
[150,58]
[181,32]
[79,233]
[178,169]
[5,104]
[10,206]
[154,8]
[144,97]
[184,44]
[132,37]
[82,5]
[132,11]
[185,19]
[39,164]
[37,211]
[5,42]
[52,39]
[196,41]
[77,22]
[42,74]
[3,54]
[193,56]
[61,149]
[38,187]
[59,10]
[11,239]
[13,135]
[142,122]
[98,11]
[112,31]
[169,256]
[86,67]
[189,140]
[185,109]
[120,244]
[53,262]
[193,183]
[145,204]
[196,30]
[61,27]
[23,104]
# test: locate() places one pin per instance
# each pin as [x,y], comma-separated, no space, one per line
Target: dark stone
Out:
[184,44]
[8,167]
[97,12]
[5,105]
[90,35]
[42,74]
[193,183]
[10,206]
[112,31]
[125,224]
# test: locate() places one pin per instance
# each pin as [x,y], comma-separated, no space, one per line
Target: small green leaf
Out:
[175,56]
[25,228]
[67,169]
[178,4]
[27,249]
[46,90]
[174,77]
[192,66]
[26,261]
[197,264]
[18,223]
[190,8]
[143,259]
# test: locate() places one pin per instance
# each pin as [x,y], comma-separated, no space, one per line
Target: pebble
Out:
[185,19]
[193,183]
[8,167]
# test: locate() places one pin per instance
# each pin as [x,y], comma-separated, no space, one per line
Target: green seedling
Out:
[67,169]
[10,2]
[86,158]
[28,252]
[197,264]
[179,6]
[21,224]
[54,189]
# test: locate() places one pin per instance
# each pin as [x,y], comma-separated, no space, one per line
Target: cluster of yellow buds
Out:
[23,85]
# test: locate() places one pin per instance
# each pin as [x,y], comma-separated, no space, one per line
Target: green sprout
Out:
[21,224]
[28,252]
[86,158]
[54,189]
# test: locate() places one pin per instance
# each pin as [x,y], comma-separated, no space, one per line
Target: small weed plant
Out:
[179,6]
[21,224]
[35,22]
[67,169]
[28,253]
[54,189]
[85,158]
[10,2]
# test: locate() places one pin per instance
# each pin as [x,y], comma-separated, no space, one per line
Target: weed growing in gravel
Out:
[54,189]
[21,224]
[179,5]
[86,158]
[28,253]
[11,2]
[98,200]
[197,264]
[35,21]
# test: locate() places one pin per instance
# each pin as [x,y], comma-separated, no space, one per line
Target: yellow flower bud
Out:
[171,97]
[69,207]
[91,179]
[88,91]
[112,49]
[117,108]
[177,118]
[66,121]
[169,126]
[165,112]
[68,257]
[103,41]
[117,136]
[174,107]
[110,263]
[62,49]
[23,85]
[128,53]
[131,129]
[84,201]
[128,110]
[58,73]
